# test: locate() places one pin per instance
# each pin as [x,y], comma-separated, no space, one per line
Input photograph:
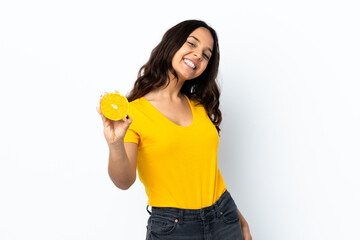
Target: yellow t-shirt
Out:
[177,165]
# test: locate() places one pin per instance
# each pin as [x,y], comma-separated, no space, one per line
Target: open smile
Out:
[189,63]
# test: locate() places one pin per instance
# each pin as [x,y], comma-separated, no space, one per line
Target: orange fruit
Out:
[114,106]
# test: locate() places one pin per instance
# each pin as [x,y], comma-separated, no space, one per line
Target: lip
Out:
[194,62]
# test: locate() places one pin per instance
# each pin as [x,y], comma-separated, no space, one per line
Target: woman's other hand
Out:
[246,232]
[244,227]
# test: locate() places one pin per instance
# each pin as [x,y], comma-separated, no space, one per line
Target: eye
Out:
[206,56]
[191,44]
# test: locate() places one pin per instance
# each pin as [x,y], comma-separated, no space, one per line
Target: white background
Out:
[289,75]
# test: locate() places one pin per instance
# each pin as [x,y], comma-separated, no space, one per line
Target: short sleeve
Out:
[133,133]
[131,136]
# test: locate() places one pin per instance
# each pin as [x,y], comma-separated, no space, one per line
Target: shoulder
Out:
[134,106]
[195,102]
[139,107]
[137,103]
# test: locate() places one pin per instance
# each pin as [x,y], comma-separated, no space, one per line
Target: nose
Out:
[197,55]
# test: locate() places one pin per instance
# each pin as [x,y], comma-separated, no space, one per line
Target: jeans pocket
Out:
[229,212]
[162,225]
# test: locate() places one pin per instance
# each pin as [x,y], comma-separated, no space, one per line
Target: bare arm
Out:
[122,156]
[122,164]
[245,227]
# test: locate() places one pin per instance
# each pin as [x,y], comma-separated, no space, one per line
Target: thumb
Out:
[128,119]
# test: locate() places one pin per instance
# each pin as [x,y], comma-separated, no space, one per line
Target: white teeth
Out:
[189,63]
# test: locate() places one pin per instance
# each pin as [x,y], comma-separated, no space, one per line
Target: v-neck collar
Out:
[156,110]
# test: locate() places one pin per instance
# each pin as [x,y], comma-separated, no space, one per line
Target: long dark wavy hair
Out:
[155,73]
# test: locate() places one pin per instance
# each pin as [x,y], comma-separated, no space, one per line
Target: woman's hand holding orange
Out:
[114,130]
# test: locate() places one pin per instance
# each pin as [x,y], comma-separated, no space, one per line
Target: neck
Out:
[170,92]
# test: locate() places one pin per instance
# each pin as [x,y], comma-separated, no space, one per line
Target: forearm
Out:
[120,170]
[242,220]
[245,227]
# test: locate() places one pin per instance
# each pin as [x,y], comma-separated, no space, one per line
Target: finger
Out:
[128,119]
[103,95]
[101,114]
[104,119]
[101,98]
[99,111]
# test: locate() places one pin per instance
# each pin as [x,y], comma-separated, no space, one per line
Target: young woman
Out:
[172,139]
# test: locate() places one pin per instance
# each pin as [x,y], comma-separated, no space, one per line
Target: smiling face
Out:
[191,60]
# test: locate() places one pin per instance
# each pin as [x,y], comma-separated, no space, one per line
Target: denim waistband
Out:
[193,214]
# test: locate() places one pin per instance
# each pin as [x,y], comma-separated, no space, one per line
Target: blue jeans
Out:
[219,221]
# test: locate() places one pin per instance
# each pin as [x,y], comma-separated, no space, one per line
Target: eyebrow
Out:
[199,41]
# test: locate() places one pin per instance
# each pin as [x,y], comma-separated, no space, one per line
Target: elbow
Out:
[124,186]
[122,183]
